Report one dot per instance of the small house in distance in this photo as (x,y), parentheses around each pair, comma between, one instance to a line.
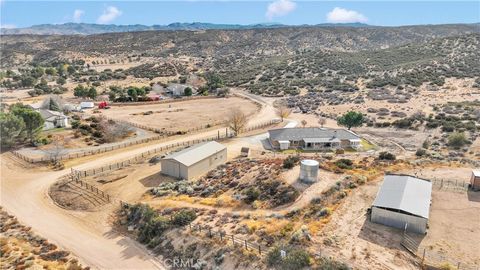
(87,105)
(195,160)
(313,139)
(475,180)
(403,202)
(53,119)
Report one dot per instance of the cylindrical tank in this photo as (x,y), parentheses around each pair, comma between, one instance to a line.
(308,171)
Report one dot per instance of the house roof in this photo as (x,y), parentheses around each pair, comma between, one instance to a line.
(49,115)
(196,153)
(310,133)
(405,193)
(321,140)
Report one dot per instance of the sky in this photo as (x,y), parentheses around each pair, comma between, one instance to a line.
(15,13)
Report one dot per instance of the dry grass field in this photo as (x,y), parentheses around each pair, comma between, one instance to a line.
(181,115)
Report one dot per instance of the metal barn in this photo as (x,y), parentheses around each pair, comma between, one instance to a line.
(403,202)
(194,161)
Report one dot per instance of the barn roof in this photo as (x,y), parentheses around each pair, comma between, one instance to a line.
(310,133)
(196,153)
(405,193)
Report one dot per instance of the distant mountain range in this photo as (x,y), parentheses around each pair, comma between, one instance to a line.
(90,29)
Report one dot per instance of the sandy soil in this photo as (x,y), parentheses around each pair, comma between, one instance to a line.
(181,115)
(367,245)
(24,191)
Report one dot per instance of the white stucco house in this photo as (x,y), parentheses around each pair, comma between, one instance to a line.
(53,119)
(313,139)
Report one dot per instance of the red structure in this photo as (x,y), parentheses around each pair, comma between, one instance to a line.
(103,105)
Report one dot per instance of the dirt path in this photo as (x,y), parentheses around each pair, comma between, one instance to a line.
(24,194)
(89,236)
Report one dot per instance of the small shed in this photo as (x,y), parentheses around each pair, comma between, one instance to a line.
(475,180)
(86,105)
(195,160)
(403,202)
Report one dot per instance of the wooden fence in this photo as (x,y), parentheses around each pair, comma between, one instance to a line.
(447,184)
(161,149)
(161,101)
(230,239)
(143,155)
(86,152)
(169,132)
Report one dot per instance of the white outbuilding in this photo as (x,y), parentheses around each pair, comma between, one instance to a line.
(403,202)
(195,160)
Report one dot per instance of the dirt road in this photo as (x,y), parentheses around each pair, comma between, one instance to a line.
(24,193)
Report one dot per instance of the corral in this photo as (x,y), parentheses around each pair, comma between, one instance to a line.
(182,115)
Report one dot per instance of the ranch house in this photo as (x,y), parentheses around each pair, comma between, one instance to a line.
(313,139)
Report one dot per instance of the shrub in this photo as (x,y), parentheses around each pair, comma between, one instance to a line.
(325,212)
(184,217)
(386,156)
(251,194)
(329,264)
(421,152)
(294,259)
(344,163)
(457,140)
(290,162)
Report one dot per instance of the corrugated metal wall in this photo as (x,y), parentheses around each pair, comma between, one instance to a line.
(398,220)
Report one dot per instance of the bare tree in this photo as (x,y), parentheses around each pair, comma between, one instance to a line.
(113,130)
(57,150)
(304,123)
(237,121)
(322,121)
(283,112)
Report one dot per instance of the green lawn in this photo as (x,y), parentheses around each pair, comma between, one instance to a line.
(52,131)
(366,145)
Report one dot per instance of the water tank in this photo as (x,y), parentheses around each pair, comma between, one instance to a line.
(308,171)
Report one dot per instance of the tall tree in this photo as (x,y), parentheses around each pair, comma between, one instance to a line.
(11,128)
(80,91)
(187,91)
(283,112)
(322,121)
(92,93)
(237,121)
(32,119)
(351,119)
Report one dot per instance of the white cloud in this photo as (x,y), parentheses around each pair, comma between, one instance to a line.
(77,15)
(280,8)
(109,14)
(8,26)
(341,15)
